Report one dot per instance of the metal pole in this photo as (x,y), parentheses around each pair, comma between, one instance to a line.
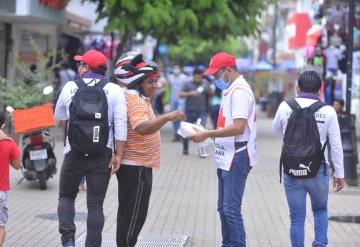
(350,46)
(112,46)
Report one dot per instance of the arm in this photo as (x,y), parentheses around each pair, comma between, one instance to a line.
(241,103)
(116,159)
(16,163)
(60,108)
(237,128)
(185,92)
(152,125)
(120,127)
(276,124)
(334,136)
(337,154)
(15,156)
(189,94)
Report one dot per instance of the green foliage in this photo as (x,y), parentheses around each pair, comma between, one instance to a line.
(172,21)
(191,49)
(27,91)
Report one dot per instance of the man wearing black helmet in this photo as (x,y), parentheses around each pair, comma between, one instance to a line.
(142,149)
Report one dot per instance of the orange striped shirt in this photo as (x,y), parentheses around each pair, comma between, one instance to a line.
(140,149)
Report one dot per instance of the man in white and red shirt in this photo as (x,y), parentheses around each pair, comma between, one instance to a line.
(235,144)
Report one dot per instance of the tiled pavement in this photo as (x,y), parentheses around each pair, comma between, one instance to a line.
(183,202)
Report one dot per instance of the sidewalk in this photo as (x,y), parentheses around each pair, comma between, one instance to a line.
(183,202)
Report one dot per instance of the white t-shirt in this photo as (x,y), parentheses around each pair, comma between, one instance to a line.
(177,82)
(328,126)
(333,55)
(241,105)
(116,109)
(238,101)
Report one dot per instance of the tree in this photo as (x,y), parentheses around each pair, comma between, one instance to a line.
(27,90)
(200,51)
(169,21)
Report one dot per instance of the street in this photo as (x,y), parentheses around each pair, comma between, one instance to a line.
(183,202)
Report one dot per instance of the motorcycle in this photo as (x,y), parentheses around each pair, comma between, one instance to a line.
(39,161)
(38,157)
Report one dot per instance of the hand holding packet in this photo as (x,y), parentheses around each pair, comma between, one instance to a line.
(187,130)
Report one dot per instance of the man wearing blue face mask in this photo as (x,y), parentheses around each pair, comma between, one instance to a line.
(235,145)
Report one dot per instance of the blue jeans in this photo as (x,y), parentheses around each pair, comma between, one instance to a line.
(231,190)
(176,104)
(296,192)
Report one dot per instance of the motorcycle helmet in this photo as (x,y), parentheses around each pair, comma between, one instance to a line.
(129,68)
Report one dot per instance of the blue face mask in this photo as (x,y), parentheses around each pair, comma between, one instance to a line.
(222,84)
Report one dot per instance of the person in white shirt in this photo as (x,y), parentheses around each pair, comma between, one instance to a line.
(96,168)
(317,187)
(235,144)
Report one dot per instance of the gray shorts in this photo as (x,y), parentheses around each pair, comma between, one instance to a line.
(3,208)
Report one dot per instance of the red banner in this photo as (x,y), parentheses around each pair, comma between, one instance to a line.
(55,4)
(301,23)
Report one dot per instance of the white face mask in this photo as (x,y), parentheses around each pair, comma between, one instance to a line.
(176,71)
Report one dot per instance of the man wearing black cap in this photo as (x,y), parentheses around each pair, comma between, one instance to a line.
(235,144)
(96,167)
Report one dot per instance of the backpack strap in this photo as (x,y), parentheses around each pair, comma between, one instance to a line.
(80,83)
(294,105)
(316,106)
(102,83)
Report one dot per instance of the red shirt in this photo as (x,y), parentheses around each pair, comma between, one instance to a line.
(8,152)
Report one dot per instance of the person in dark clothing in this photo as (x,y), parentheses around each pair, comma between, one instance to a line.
(195,93)
(96,167)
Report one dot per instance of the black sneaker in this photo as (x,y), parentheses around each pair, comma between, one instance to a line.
(186,152)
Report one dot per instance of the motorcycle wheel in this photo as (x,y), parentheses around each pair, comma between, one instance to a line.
(42,180)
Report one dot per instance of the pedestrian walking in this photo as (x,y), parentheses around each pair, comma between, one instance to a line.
(10,154)
(142,149)
(177,80)
(235,145)
(194,92)
(308,126)
(96,112)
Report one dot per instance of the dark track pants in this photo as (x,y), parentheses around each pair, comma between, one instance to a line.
(134,183)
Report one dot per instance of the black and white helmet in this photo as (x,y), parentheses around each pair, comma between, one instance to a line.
(129,68)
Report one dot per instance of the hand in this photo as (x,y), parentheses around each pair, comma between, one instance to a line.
(338,184)
(114,164)
(199,136)
(176,116)
(195,93)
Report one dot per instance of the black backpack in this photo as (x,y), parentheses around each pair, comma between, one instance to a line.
(302,154)
(88,129)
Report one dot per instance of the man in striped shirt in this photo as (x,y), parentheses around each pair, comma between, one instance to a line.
(142,149)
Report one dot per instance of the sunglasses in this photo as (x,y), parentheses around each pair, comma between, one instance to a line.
(218,73)
(79,64)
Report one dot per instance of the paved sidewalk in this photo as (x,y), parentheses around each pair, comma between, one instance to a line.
(183,202)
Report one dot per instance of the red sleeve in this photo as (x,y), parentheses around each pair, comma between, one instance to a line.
(14,151)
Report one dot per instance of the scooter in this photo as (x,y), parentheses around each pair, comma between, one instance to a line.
(39,161)
(38,157)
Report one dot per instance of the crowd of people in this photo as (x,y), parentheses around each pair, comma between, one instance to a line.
(111,128)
